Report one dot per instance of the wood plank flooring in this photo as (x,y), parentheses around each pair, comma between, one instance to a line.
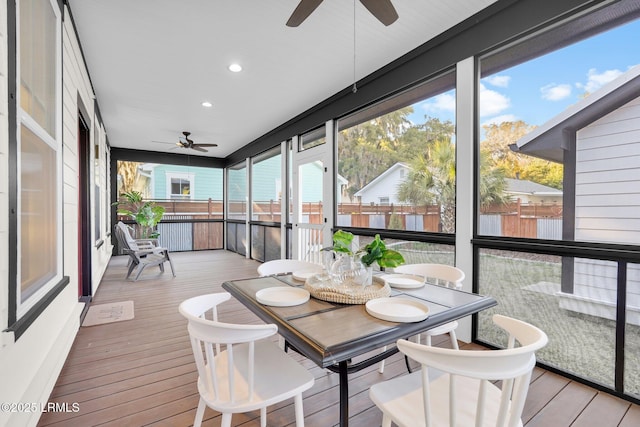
(141,372)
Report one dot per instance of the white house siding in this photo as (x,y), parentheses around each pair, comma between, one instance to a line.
(608,178)
(607,208)
(387,187)
(32,363)
(76,84)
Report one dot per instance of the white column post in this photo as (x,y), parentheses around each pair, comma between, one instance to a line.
(465,172)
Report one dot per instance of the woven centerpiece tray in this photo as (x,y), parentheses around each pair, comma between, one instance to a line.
(320,286)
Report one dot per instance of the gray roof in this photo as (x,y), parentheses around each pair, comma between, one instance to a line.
(522,186)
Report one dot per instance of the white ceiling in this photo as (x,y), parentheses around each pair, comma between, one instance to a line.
(153,62)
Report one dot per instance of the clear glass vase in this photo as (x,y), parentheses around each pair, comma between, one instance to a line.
(348,270)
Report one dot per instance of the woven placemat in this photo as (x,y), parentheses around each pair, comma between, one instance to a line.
(322,288)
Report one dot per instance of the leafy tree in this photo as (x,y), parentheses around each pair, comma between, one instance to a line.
(369,148)
(432,180)
(418,138)
(395,222)
(498,138)
(433,176)
(492,181)
(128,172)
(544,172)
(496,145)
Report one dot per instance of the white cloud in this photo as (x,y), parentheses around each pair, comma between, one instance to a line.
(555,92)
(492,102)
(596,80)
(443,102)
(499,119)
(500,81)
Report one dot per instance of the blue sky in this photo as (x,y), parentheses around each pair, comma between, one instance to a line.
(539,89)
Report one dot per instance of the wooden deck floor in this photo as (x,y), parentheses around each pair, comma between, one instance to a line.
(141,372)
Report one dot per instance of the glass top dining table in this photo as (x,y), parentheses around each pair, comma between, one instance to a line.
(332,334)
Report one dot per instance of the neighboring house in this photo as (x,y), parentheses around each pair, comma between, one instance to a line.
(532,192)
(311,190)
(383,190)
(174,182)
(195,183)
(598,141)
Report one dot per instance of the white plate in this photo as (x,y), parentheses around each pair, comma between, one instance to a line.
(397,309)
(404,281)
(282,296)
(303,275)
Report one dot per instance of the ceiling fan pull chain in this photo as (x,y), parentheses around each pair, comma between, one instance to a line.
(354,89)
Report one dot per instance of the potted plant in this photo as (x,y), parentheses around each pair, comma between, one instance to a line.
(351,261)
(377,252)
(147,214)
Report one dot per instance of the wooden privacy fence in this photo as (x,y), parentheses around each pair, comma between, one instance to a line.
(514,219)
(519,219)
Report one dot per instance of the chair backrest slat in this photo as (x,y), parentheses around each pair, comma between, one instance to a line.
(453,406)
(279,266)
(196,346)
(230,373)
(439,274)
(210,334)
(426,397)
(250,368)
(120,236)
(513,366)
(507,391)
(482,399)
(211,362)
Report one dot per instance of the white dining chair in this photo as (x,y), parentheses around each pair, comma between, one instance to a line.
(437,274)
(279,266)
(238,370)
(459,390)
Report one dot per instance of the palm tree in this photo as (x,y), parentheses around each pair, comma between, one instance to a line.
(492,181)
(432,180)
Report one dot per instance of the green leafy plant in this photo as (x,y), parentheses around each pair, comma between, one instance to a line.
(342,242)
(147,214)
(376,251)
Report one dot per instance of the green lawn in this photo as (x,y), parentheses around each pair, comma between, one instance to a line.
(524,286)
(578,343)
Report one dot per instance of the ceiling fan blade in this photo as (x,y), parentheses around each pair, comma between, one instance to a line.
(197,148)
(381,9)
(302,12)
(206,145)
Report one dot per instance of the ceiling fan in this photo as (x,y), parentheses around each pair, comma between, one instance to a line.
(381,9)
(185,142)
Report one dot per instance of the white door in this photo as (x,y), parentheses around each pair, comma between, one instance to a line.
(312,197)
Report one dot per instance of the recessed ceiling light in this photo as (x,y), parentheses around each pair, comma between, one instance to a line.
(207,104)
(236,68)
